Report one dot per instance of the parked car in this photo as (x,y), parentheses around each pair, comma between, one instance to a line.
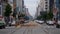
(39,21)
(50,22)
(13,23)
(36,20)
(2,23)
(58,22)
(26,21)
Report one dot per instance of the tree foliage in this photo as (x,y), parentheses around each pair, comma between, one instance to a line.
(8,10)
(50,15)
(46,16)
(21,15)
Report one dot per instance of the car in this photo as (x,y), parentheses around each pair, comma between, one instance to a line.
(58,22)
(39,21)
(26,21)
(36,20)
(50,22)
(13,23)
(2,23)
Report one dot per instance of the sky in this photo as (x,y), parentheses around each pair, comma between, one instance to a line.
(31,5)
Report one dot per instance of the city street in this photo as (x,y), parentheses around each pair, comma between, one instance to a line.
(31,28)
(29,16)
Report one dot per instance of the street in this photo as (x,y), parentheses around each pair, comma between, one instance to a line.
(31,28)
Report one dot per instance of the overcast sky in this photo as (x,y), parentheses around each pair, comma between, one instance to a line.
(31,5)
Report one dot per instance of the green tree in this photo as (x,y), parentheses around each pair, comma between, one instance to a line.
(38,17)
(8,10)
(21,15)
(49,16)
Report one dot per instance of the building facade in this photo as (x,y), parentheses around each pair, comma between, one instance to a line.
(14,5)
(20,6)
(57,3)
(51,4)
(43,6)
(0,7)
(3,4)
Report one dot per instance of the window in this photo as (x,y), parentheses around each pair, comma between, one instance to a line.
(46,5)
(0,10)
(46,9)
(46,2)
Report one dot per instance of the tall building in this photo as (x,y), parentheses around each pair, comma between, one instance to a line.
(57,3)
(43,7)
(14,5)
(51,4)
(3,4)
(20,6)
(0,7)
(38,10)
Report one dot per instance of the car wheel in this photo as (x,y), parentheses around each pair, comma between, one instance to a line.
(0,27)
(3,26)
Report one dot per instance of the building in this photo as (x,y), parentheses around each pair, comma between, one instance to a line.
(0,8)
(57,3)
(3,4)
(43,6)
(37,11)
(14,5)
(27,13)
(51,4)
(20,6)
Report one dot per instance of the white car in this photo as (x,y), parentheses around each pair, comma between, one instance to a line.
(13,23)
(39,21)
(36,20)
(50,22)
(59,22)
(26,21)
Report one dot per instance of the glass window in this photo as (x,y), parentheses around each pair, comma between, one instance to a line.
(0,10)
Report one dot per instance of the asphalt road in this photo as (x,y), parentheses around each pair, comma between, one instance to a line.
(7,30)
(31,28)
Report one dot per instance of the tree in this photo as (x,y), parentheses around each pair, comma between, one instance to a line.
(8,10)
(38,17)
(50,15)
(21,15)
